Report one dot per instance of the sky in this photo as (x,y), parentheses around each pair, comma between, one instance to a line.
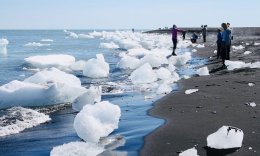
(126,14)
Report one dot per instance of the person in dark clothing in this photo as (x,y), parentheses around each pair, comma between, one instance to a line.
(231,38)
(194,38)
(183,35)
(219,40)
(225,43)
(174,37)
(204,32)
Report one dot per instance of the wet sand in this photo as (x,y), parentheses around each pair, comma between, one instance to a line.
(221,100)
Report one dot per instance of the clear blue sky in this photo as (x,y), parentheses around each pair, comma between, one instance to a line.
(116,14)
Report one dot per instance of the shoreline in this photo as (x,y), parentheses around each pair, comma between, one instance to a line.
(221,100)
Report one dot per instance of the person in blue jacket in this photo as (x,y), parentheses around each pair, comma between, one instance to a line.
(219,40)
(226,37)
(194,38)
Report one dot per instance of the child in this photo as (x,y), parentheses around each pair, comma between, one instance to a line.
(194,38)
(219,40)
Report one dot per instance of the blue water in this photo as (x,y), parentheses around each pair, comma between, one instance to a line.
(134,124)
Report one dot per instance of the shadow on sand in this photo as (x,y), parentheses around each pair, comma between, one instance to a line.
(219,152)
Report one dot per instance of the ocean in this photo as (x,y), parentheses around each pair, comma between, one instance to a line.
(134,100)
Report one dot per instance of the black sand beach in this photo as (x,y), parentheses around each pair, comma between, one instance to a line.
(221,100)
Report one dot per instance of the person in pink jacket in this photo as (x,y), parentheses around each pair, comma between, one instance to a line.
(175,31)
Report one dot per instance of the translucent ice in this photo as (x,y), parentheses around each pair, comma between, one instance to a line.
(203,71)
(138,75)
(96,121)
(226,137)
(96,67)
(189,152)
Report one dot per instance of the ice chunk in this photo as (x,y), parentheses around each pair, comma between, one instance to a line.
(163,73)
(91,96)
(46,61)
(226,137)
(3,46)
(128,44)
(247,52)
(189,152)
(256,44)
(77,149)
(24,118)
(96,67)
(128,62)
(110,45)
(194,50)
(95,34)
(200,46)
(78,66)
(85,36)
(180,59)
(154,60)
(190,91)
(203,71)
(137,52)
(251,104)
(35,44)
(138,75)
(251,84)
(238,47)
(231,65)
(215,51)
(54,75)
(96,121)
(186,76)
(164,88)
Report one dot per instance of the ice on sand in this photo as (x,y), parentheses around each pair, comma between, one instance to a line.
(163,73)
(231,65)
(3,46)
(189,152)
(164,88)
(203,71)
(96,121)
(226,137)
(238,47)
(251,84)
(247,52)
(96,67)
(24,118)
(143,74)
(77,149)
(190,91)
(46,61)
(91,96)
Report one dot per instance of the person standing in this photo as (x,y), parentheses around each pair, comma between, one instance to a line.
(204,32)
(219,40)
(225,43)
(231,38)
(174,32)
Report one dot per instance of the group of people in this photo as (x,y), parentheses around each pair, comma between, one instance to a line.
(224,38)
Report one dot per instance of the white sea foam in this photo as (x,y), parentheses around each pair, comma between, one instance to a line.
(18,119)
(3,46)
(36,44)
(96,67)
(96,121)
(60,61)
(77,149)
(226,137)
(47,40)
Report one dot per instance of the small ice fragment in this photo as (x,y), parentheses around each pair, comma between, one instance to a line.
(148,97)
(256,44)
(194,50)
(200,46)
(203,71)
(250,148)
(186,77)
(189,152)
(226,137)
(251,104)
(251,84)
(215,51)
(238,47)
(247,52)
(190,91)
